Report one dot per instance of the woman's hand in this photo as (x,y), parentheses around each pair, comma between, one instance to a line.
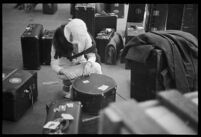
(87,68)
(61,74)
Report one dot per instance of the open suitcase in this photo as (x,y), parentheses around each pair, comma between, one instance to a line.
(64,112)
(19,92)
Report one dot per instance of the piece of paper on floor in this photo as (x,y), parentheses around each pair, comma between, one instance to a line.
(50,82)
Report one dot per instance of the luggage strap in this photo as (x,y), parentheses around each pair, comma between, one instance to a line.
(91,49)
(9,74)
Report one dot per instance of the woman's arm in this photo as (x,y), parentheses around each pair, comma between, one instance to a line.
(55,62)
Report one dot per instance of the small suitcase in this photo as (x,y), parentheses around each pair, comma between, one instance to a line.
(30,44)
(102,39)
(49,8)
(190,19)
(95,92)
(19,92)
(46,44)
(67,113)
(145,77)
(86,12)
(103,21)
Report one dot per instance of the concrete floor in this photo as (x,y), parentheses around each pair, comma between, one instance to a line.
(14,23)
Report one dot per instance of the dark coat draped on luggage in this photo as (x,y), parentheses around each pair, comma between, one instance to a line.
(180,50)
(112,50)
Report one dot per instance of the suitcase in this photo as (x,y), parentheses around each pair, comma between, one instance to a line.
(102,39)
(136,13)
(95,92)
(49,8)
(103,21)
(46,44)
(157,17)
(19,92)
(190,19)
(57,110)
(175,14)
(145,77)
(86,12)
(30,44)
(171,113)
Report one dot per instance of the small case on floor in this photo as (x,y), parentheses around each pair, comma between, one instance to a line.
(63,117)
(19,92)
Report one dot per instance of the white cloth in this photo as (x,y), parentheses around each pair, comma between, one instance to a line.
(76,33)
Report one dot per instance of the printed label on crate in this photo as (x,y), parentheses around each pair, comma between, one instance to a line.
(67,116)
(15,80)
(103,87)
(51,125)
(86,81)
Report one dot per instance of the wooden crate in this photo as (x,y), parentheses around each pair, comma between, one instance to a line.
(171,113)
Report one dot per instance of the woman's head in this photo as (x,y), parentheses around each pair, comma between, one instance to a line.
(69,37)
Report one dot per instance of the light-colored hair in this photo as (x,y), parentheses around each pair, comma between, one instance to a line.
(77,29)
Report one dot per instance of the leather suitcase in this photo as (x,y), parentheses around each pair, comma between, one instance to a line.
(86,12)
(46,44)
(95,92)
(49,8)
(19,92)
(136,13)
(102,39)
(103,21)
(30,44)
(190,19)
(145,77)
(174,18)
(57,109)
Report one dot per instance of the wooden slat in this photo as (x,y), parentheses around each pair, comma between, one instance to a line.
(180,104)
(135,119)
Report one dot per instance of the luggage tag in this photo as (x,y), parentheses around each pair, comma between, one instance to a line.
(86,81)
(69,105)
(51,125)
(103,87)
